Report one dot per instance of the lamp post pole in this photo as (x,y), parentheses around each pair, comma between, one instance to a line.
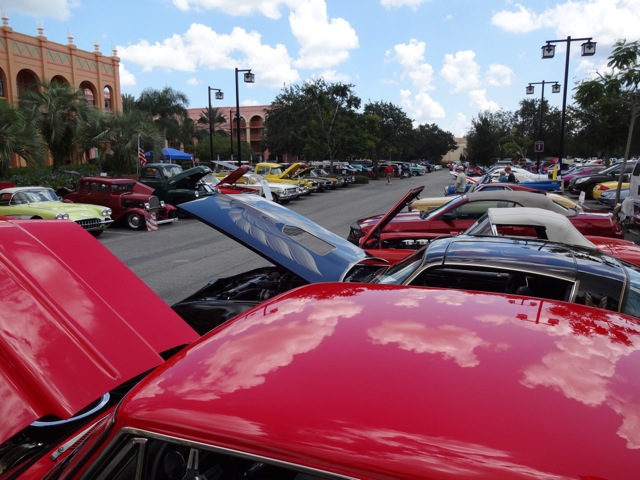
(231,133)
(555,88)
(548,51)
(219,96)
(248,78)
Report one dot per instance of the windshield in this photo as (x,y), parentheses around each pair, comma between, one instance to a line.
(397,274)
(440,209)
(481,227)
(631,304)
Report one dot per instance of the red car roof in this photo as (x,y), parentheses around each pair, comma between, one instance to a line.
(379,381)
(75,322)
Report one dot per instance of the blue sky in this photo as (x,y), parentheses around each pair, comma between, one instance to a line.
(442,62)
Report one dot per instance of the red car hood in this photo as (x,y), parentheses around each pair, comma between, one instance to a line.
(383,220)
(623,249)
(236,175)
(71,315)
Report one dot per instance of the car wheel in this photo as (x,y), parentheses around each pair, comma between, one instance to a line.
(588,192)
(135,221)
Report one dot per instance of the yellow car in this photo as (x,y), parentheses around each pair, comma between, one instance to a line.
(604,186)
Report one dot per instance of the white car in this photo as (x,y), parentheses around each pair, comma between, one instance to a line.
(281,192)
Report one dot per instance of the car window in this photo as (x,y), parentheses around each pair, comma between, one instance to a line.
(594,292)
(140,457)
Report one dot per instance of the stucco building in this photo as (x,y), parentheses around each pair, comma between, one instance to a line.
(26,60)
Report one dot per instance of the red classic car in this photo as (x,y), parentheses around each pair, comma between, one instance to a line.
(130,201)
(346,381)
(394,228)
(78,327)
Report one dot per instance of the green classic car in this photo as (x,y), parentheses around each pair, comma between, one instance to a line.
(43,203)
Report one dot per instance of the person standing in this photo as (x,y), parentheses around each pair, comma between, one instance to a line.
(388,170)
(511,178)
(460,185)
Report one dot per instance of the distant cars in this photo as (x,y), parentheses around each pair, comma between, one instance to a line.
(42,203)
(586,183)
(394,229)
(600,188)
(608,197)
(131,202)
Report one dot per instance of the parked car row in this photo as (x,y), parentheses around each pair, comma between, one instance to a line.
(240,379)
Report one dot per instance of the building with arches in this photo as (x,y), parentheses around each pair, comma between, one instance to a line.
(26,60)
(251,124)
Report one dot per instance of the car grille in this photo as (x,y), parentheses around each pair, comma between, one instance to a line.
(154,204)
(90,223)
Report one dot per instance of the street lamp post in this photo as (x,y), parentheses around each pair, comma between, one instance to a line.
(248,78)
(548,51)
(555,88)
(219,96)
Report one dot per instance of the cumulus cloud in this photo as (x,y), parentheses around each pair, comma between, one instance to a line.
(461,70)
(127,79)
(323,42)
(268,8)
(402,3)
(58,9)
(499,76)
(478,100)
(604,20)
(192,50)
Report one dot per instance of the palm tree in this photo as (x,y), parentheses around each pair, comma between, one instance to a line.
(167,108)
(18,136)
(57,110)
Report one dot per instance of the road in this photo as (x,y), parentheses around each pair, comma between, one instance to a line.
(178,259)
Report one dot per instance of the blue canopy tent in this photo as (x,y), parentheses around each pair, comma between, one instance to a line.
(172,155)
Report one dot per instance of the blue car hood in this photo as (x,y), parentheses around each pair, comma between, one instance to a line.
(280,235)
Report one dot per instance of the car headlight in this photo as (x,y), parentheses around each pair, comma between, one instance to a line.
(581,180)
(162,203)
(62,216)
(106,212)
(196,194)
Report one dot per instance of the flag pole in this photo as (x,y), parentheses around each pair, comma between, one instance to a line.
(138,158)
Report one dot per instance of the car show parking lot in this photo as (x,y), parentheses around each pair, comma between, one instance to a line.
(178,259)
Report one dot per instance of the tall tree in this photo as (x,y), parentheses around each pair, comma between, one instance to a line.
(311,120)
(485,136)
(621,85)
(167,108)
(432,143)
(18,136)
(392,129)
(57,110)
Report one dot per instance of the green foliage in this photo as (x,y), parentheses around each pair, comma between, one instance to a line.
(47,176)
(18,136)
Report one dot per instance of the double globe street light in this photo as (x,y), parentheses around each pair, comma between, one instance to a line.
(548,51)
(555,88)
(248,78)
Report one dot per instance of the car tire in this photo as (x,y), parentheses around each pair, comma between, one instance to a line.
(135,221)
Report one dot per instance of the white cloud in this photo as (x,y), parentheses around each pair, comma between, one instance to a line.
(58,9)
(268,8)
(411,57)
(499,76)
(193,81)
(192,50)
(323,42)
(402,3)
(461,70)
(478,100)
(460,125)
(127,79)
(604,20)
(334,76)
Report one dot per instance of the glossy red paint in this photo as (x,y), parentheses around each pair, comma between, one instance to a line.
(395,382)
(623,249)
(71,316)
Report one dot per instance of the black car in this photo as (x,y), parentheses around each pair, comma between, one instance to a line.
(586,183)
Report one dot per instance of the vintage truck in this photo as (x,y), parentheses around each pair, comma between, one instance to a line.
(174,185)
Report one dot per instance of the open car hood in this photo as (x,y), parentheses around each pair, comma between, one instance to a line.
(409,197)
(281,236)
(75,322)
(236,175)
(189,178)
(293,169)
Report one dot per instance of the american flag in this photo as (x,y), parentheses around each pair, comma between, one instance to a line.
(141,157)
